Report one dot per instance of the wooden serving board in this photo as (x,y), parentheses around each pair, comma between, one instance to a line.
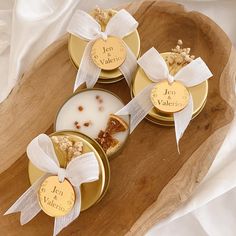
(149,180)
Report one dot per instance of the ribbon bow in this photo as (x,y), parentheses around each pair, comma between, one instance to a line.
(86,27)
(82,169)
(156,69)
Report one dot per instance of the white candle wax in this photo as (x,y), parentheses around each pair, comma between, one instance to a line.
(88,112)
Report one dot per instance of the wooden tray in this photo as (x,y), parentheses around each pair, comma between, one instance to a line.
(149,179)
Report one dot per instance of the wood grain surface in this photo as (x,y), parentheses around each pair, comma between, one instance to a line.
(149,180)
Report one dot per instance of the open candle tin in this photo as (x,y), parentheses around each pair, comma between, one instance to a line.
(88,111)
(199,94)
(76,47)
(93,192)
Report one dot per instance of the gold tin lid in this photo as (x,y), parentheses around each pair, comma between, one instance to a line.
(198,92)
(93,192)
(76,47)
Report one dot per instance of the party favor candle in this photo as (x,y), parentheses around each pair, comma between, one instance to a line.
(90,112)
(177,59)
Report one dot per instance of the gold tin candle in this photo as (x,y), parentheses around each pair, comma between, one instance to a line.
(91,111)
(199,92)
(91,193)
(76,47)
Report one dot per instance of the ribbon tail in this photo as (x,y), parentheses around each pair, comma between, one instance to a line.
(182,120)
(82,169)
(129,66)
(27,204)
(88,72)
(138,107)
(61,222)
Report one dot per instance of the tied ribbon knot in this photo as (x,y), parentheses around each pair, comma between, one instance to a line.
(84,26)
(157,70)
(170,79)
(61,174)
(82,169)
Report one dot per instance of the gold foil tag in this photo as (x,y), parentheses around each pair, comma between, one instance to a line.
(108,54)
(56,198)
(170,98)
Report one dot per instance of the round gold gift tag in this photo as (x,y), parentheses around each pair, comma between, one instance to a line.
(76,47)
(92,192)
(199,94)
(56,198)
(108,54)
(169,98)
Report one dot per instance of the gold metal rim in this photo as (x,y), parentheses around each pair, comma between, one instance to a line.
(171,123)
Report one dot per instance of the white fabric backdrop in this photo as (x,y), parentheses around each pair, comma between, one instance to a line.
(29,27)
(34,24)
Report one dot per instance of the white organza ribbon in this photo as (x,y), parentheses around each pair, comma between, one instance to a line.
(156,69)
(86,27)
(82,169)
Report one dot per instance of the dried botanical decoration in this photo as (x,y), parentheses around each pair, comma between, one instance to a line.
(70,147)
(114,125)
(102,16)
(87,123)
(80,108)
(77,125)
(106,140)
(181,55)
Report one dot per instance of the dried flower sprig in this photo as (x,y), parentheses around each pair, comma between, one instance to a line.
(182,55)
(72,148)
(102,16)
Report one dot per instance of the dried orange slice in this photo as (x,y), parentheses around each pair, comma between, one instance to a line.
(106,140)
(116,124)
